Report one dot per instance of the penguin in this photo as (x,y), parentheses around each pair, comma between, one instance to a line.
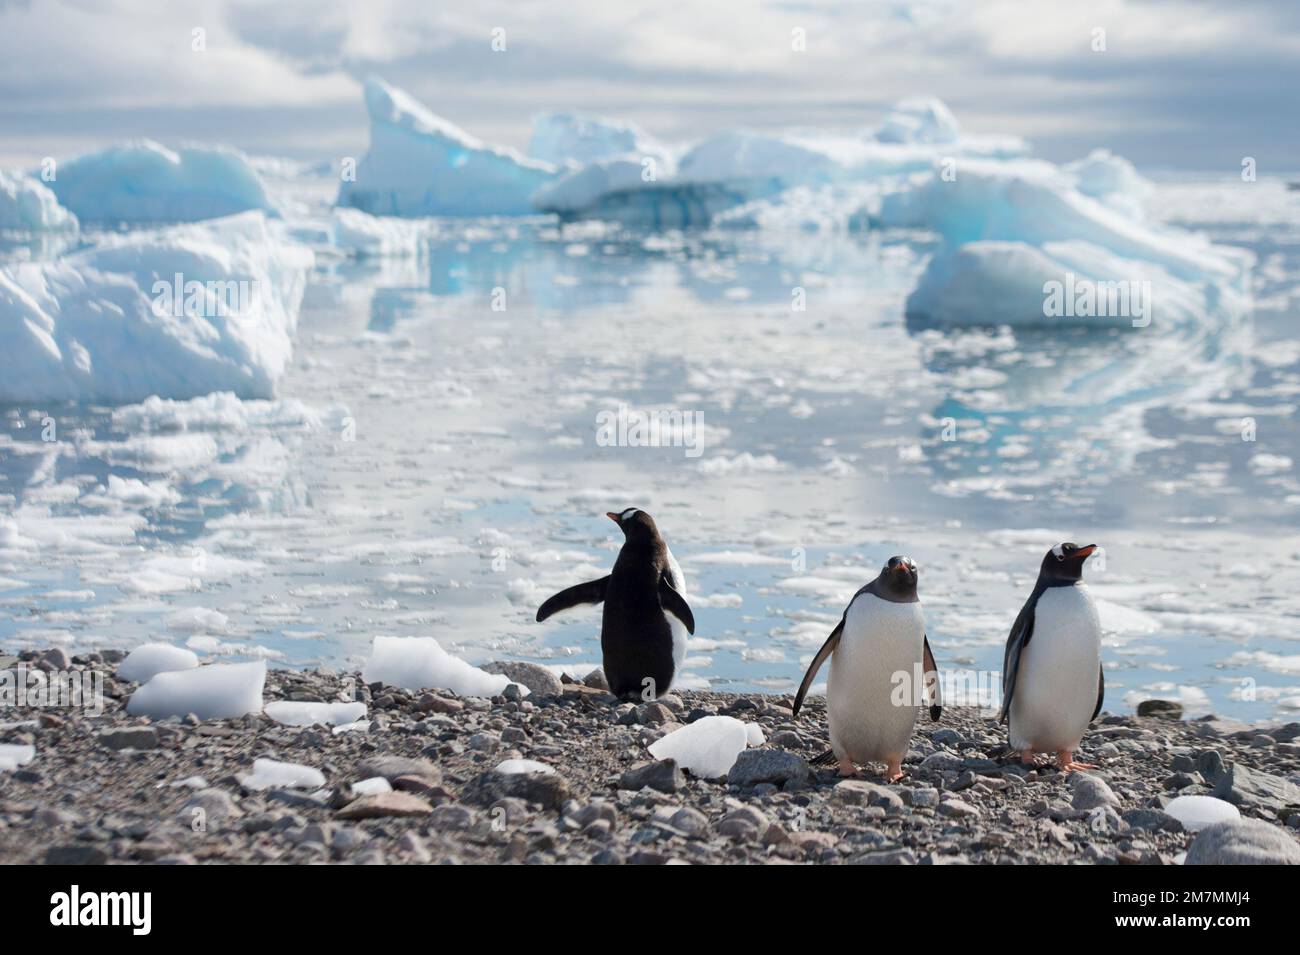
(1053,683)
(880,635)
(646,619)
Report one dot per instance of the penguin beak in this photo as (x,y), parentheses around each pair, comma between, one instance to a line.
(612,516)
(1085,552)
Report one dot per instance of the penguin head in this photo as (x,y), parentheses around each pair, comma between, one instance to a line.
(898,577)
(1064,562)
(635,523)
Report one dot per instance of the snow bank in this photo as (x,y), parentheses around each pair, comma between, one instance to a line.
(176,312)
(272,774)
(419,164)
(148,660)
(213,692)
(707,748)
(417,663)
(1197,812)
(294,713)
(26,205)
(147,182)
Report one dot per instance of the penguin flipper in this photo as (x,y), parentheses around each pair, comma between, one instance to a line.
(1101,692)
(1021,633)
(592,592)
(675,604)
(932,691)
(827,649)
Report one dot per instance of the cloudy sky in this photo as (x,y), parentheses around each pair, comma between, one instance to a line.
(1180,83)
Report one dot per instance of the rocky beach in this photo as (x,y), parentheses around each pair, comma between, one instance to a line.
(563,775)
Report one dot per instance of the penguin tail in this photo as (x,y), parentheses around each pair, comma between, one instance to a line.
(827,758)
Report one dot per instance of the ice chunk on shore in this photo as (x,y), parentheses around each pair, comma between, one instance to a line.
(13,755)
(148,660)
(1197,812)
(177,312)
(213,692)
(147,182)
(295,713)
(919,119)
(560,138)
(419,164)
(27,205)
(707,748)
(512,767)
(273,774)
(418,663)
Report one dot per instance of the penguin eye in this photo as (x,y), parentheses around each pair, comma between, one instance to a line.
(1060,550)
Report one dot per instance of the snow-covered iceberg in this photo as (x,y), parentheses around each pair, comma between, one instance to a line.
(176,312)
(27,205)
(147,182)
(420,164)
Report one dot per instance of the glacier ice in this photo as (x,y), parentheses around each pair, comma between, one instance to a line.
(148,660)
(417,663)
(27,205)
(177,312)
(213,692)
(706,748)
(296,713)
(419,164)
(273,774)
(147,182)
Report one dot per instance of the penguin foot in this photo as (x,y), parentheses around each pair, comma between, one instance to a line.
(1029,758)
(1067,764)
(847,768)
(894,772)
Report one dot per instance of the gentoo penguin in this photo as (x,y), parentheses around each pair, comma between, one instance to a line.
(646,618)
(878,647)
(1052,679)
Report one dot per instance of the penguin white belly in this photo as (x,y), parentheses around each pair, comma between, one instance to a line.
(880,639)
(677,627)
(1056,686)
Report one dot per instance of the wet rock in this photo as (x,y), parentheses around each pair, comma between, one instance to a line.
(776,766)
(1246,842)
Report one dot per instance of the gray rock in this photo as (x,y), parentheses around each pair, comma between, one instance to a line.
(596,679)
(690,821)
(744,822)
(956,809)
(130,737)
(886,857)
(1210,765)
(1163,709)
(75,855)
(776,766)
(1090,792)
(207,806)
(860,792)
(1245,842)
(1156,819)
(391,767)
(663,775)
(453,816)
(55,659)
(536,678)
(1255,788)
(551,790)
(379,805)
(923,797)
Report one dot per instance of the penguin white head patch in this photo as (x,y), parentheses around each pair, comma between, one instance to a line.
(627,513)
(1059,551)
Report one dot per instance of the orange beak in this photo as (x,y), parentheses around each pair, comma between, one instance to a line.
(1085,552)
(612,516)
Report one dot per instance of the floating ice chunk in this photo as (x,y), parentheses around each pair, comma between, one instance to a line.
(366,236)
(147,182)
(419,164)
(372,787)
(197,620)
(708,747)
(176,312)
(294,713)
(132,492)
(919,119)
(213,692)
(273,774)
(1197,812)
(148,660)
(417,663)
(560,138)
(13,755)
(27,205)
(511,767)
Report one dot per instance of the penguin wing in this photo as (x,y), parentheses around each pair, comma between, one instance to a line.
(1021,632)
(592,592)
(675,604)
(932,685)
(827,649)
(1101,692)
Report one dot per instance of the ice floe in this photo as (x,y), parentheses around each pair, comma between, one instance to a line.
(212,692)
(147,182)
(148,660)
(417,663)
(177,312)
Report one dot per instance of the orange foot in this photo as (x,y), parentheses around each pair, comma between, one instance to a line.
(847,768)
(1066,763)
(1030,758)
(894,771)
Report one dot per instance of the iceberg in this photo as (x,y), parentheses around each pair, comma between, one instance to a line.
(419,164)
(177,312)
(147,182)
(148,660)
(1112,180)
(417,663)
(561,138)
(365,236)
(27,205)
(214,692)
(919,119)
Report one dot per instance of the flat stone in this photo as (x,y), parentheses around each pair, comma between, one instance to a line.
(1246,842)
(1255,788)
(393,767)
(75,855)
(776,766)
(956,809)
(379,805)
(130,737)
(860,792)
(663,775)
(886,857)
